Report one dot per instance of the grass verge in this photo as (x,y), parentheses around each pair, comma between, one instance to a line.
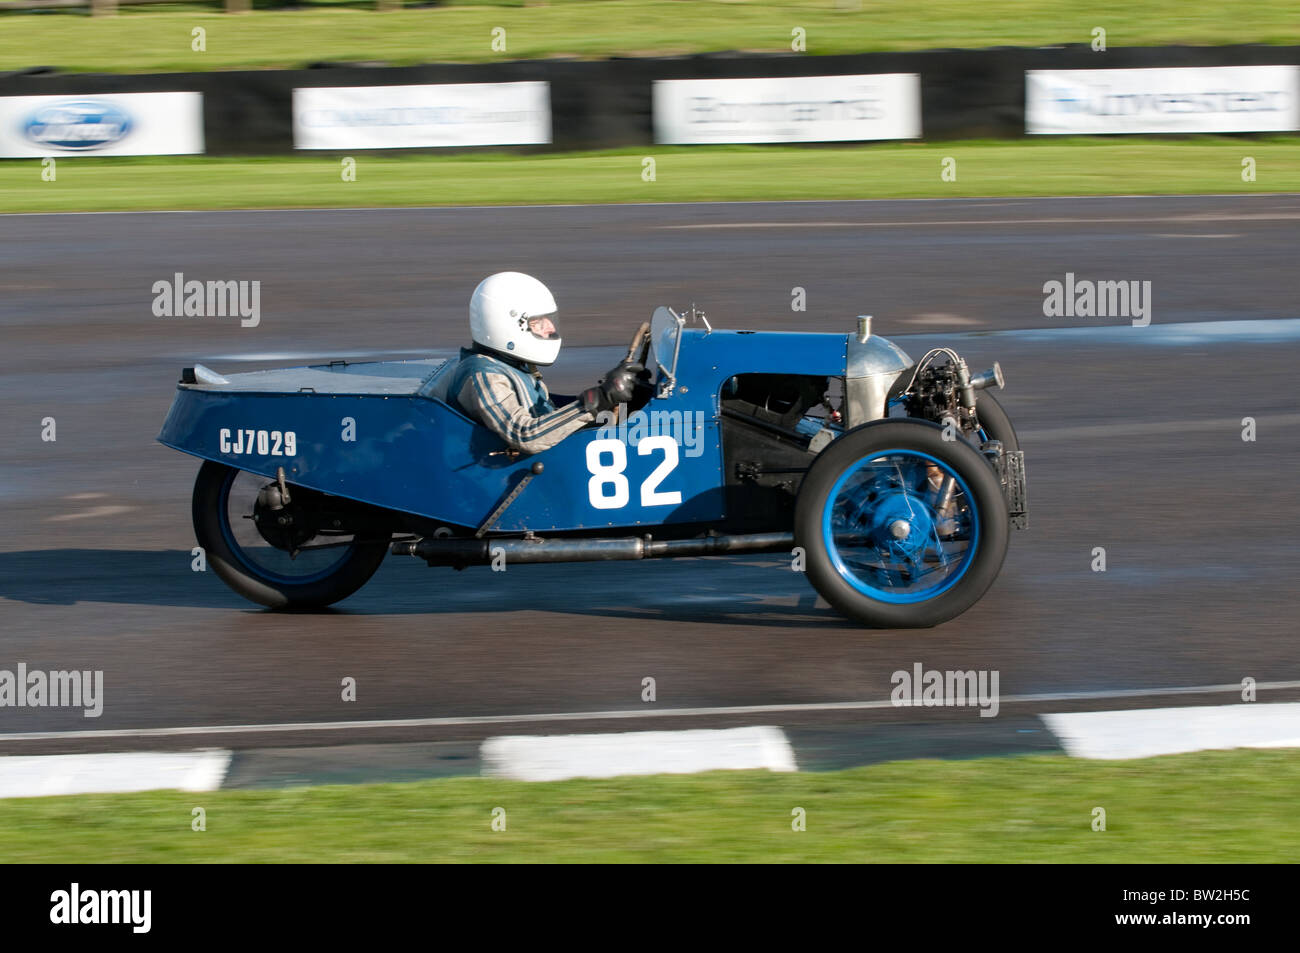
(682,174)
(1223,806)
(154,39)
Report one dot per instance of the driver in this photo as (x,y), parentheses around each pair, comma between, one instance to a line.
(498,383)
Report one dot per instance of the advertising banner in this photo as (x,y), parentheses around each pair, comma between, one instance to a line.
(422,117)
(790,109)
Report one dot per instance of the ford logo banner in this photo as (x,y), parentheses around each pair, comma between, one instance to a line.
(80,125)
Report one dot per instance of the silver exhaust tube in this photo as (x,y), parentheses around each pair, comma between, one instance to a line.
(472,552)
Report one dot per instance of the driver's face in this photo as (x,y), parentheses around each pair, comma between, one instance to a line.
(542,326)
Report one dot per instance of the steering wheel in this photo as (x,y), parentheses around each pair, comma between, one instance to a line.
(639,349)
(637,353)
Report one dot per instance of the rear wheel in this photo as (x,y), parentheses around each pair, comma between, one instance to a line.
(280,559)
(901,528)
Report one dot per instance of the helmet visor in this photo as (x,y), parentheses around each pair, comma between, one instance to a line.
(543,327)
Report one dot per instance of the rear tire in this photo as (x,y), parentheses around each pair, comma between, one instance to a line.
(237,569)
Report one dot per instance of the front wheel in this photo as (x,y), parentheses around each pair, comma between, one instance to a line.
(285,559)
(994,422)
(901,528)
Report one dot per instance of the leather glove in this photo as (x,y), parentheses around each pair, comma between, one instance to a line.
(594,401)
(620,383)
(617,387)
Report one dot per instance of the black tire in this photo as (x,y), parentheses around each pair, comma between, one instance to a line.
(982,505)
(995,422)
(210,511)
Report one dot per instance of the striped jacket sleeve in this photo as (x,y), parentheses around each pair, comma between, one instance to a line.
(492,399)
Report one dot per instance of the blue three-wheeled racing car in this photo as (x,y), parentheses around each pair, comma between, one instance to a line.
(892,483)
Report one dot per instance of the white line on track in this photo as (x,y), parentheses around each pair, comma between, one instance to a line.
(626,714)
(947,223)
(1227,425)
(437,208)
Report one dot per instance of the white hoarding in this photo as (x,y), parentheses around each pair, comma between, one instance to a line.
(121,124)
(1182,99)
(421,117)
(790,109)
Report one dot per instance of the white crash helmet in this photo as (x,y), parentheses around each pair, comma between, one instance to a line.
(514,314)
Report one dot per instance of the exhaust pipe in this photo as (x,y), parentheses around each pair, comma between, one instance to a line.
(475,552)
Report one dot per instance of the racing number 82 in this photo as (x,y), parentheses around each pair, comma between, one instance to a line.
(612,474)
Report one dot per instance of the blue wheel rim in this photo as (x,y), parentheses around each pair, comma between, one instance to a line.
(264,567)
(870,505)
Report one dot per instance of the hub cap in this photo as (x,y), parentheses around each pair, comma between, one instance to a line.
(901,526)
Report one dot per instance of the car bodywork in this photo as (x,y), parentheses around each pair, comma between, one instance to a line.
(897,479)
(383,433)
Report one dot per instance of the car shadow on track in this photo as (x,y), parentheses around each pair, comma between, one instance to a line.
(739,590)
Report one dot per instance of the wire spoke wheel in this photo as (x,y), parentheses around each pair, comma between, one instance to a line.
(901,528)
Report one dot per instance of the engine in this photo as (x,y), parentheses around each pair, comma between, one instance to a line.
(944,391)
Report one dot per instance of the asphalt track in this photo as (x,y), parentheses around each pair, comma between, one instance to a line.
(1133,440)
